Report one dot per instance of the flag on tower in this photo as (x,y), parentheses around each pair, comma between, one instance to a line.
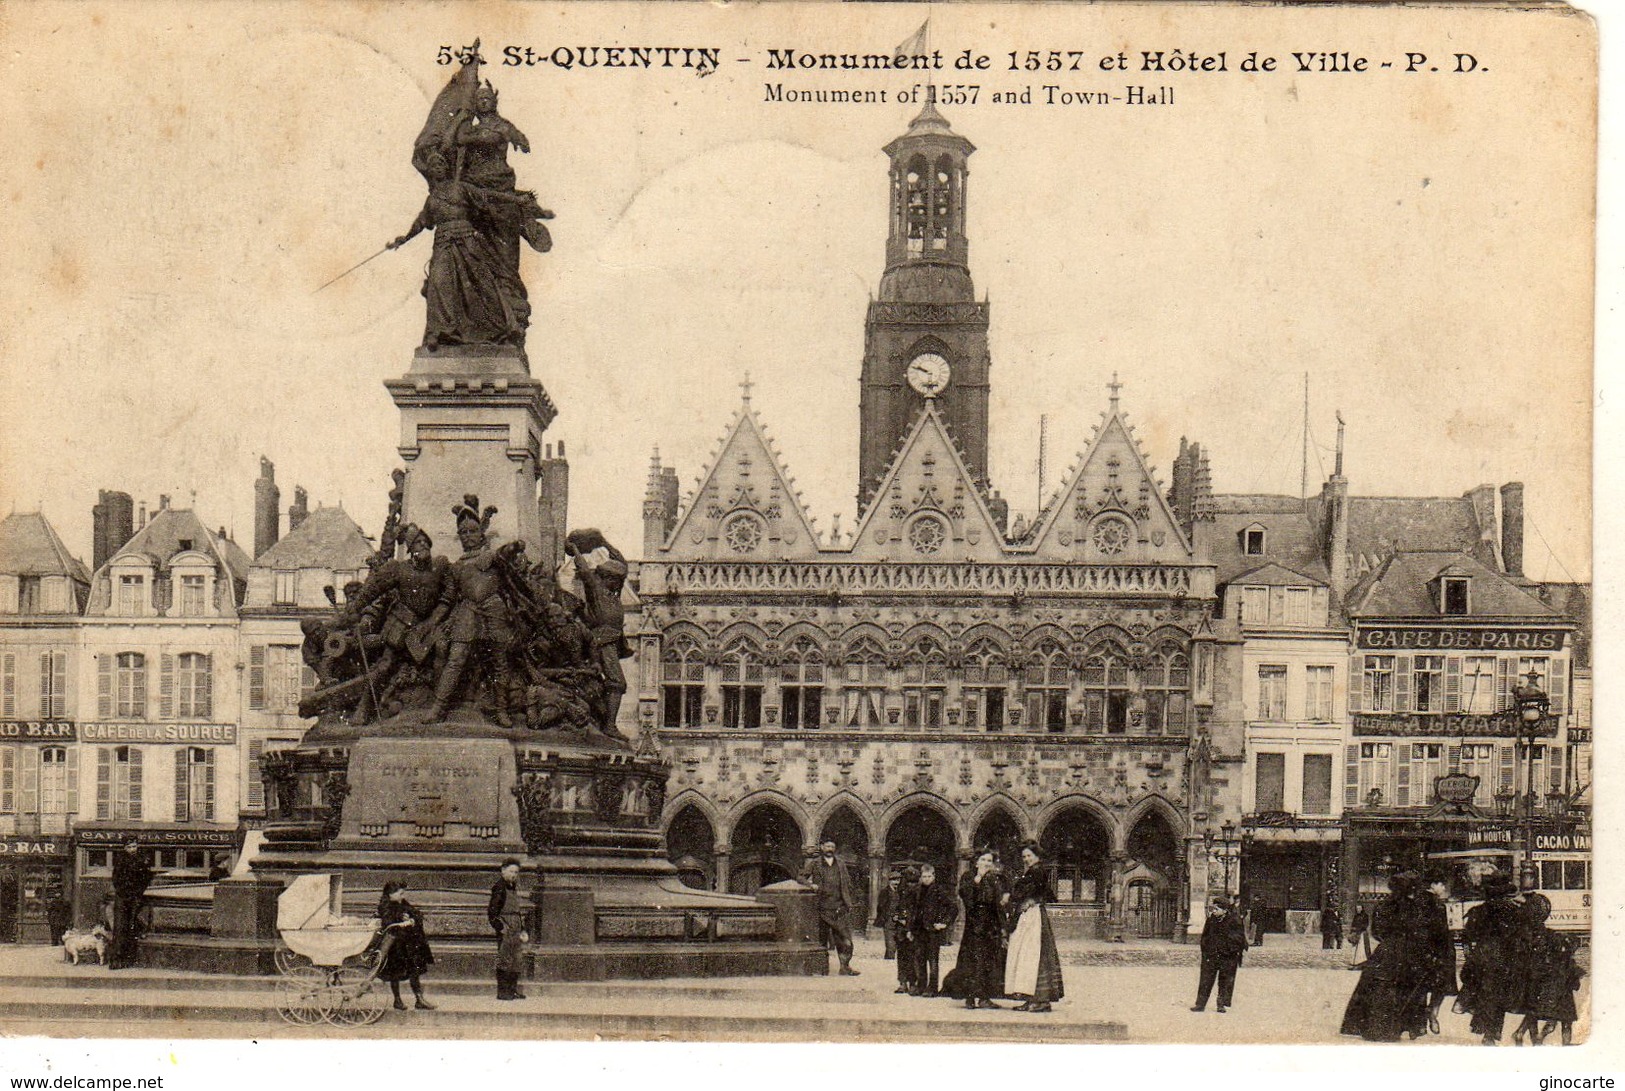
(911,46)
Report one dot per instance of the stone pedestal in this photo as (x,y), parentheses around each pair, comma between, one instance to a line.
(472,420)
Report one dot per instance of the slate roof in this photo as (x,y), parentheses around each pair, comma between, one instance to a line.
(1291,539)
(1399,587)
(161,539)
(328,538)
(1379,525)
(29,546)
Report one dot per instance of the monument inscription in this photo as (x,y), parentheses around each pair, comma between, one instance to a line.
(429,784)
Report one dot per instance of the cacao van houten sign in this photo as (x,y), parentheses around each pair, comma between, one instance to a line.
(1403,637)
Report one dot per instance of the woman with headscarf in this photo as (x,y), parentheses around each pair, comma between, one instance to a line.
(1495,972)
(1032,967)
(1390,999)
(404,953)
(978,974)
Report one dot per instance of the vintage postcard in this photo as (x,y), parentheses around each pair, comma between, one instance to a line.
(981,522)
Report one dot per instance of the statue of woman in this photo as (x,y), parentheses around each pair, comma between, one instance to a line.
(474,295)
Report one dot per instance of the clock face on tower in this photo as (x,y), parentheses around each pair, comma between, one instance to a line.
(928,373)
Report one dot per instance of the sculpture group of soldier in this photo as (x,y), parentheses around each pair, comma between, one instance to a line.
(1513,965)
(519,642)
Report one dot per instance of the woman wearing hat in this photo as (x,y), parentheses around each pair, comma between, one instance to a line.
(978,975)
(1495,972)
(1391,998)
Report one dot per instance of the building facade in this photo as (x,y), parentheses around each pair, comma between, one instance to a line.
(42,589)
(159,694)
(936,684)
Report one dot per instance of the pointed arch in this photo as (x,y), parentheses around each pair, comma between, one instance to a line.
(1078,801)
(690,797)
(1001,802)
(935,802)
(779,798)
(1155,804)
(989,632)
(743,630)
(1106,634)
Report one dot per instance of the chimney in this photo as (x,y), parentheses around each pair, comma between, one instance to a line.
(1337,522)
(1482,497)
(113,524)
(553,502)
(141,523)
(163,501)
(267,508)
(299,509)
(1512,528)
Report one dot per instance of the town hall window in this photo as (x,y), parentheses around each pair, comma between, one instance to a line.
(1167,686)
(1047,684)
(1105,691)
(984,685)
(802,686)
(741,685)
(925,685)
(865,684)
(682,684)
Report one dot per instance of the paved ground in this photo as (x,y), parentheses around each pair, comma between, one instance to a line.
(1273,1004)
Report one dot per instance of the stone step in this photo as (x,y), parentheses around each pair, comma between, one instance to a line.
(651,1014)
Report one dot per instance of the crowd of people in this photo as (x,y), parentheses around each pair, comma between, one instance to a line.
(1007,949)
(1512,964)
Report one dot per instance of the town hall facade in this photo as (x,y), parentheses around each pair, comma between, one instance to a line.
(938,682)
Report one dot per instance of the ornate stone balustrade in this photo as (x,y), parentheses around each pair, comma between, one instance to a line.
(858,578)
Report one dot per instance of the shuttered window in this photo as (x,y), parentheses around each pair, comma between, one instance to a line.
(194,784)
(53,685)
(118,783)
(131,686)
(1317,784)
(8,685)
(1270,794)
(194,685)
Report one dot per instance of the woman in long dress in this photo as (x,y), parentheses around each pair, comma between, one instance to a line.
(1032,968)
(405,954)
(1441,944)
(978,974)
(1495,973)
(1391,997)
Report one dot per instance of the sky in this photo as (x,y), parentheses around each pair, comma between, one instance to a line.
(185,176)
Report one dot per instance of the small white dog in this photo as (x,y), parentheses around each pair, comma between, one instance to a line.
(77,944)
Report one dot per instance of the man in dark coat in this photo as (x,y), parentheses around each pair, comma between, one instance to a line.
(883,912)
(132,873)
(509,920)
(935,909)
(1331,928)
(902,925)
(1224,942)
(836,903)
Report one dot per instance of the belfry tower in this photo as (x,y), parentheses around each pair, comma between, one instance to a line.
(926,336)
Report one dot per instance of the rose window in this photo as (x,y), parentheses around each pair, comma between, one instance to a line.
(1111,536)
(927,535)
(742,533)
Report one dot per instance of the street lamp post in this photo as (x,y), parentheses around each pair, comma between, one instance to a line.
(1228,842)
(1533,707)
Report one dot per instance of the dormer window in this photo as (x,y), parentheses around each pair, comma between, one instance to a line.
(1453,595)
(192,596)
(286,582)
(1252,541)
(29,598)
(132,592)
